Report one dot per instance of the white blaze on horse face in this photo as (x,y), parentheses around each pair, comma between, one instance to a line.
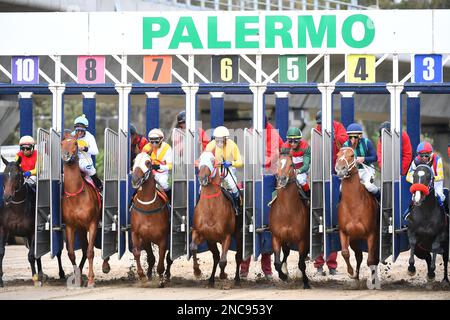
(420,174)
(283,163)
(417,196)
(140,160)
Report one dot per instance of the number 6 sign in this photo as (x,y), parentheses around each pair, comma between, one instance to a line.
(427,68)
(91,69)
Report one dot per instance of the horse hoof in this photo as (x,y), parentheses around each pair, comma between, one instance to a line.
(1,284)
(237,283)
(284,268)
(373,284)
(211,284)
(91,285)
(197,273)
(431,276)
(43,277)
(38,284)
(283,276)
(224,276)
(106,268)
(443,280)
(62,276)
(306,286)
(161,284)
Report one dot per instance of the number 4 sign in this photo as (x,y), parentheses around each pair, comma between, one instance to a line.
(91,69)
(427,68)
(360,68)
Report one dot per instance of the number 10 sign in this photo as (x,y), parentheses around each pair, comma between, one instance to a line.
(25,70)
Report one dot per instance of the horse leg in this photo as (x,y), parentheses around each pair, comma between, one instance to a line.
(2,254)
(137,247)
(32,260)
(302,253)
(276,247)
(169,264)
(82,237)
(150,260)
(445,257)
(70,238)
(106,268)
(372,261)
(62,275)
(216,256)
(431,267)
(196,239)
(238,257)
(359,256)
(345,252)
(90,252)
(412,245)
(160,268)
(223,259)
(286,252)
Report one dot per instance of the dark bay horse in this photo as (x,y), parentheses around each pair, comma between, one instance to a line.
(215,220)
(358,217)
(81,210)
(428,227)
(17,218)
(149,219)
(289,219)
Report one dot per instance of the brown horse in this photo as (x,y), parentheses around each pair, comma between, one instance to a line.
(17,218)
(358,217)
(215,220)
(289,219)
(81,210)
(149,219)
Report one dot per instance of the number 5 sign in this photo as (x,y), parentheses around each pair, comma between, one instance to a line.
(25,70)
(427,68)
(91,69)
(292,68)
(360,68)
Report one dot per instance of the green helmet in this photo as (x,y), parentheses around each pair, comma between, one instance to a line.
(294,132)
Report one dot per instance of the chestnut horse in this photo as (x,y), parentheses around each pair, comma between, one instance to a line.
(81,210)
(215,220)
(17,218)
(289,219)
(149,219)
(358,217)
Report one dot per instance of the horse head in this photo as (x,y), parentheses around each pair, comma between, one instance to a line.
(285,169)
(69,149)
(423,179)
(345,163)
(206,168)
(13,179)
(142,170)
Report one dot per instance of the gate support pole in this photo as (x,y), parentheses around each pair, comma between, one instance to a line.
(89,105)
(151,111)
(413,119)
(217,109)
(282,113)
(347,108)
(57,91)
(26,113)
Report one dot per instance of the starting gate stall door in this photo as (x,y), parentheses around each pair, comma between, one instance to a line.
(193,148)
(110,208)
(43,198)
(122,189)
(56,226)
(399,234)
(331,197)
(179,206)
(317,196)
(249,200)
(258,200)
(386,210)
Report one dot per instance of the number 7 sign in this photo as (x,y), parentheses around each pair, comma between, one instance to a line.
(158,69)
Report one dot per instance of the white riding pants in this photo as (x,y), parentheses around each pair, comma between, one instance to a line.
(163,179)
(439,189)
(230,179)
(86,165)
(365,176)
(31,181)
(302,178)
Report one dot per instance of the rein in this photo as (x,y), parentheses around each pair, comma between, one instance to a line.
(69,194)
(146,203)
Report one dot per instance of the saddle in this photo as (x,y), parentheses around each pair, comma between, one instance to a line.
(97,192)
(230,198)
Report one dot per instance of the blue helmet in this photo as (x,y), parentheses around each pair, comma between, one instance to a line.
(81,120)
(354,128)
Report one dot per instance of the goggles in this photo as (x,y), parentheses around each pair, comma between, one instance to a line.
(293,140)
(425,155)
(26,148)
(353,137)
(154,140)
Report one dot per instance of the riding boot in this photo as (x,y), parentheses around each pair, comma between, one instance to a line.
(237,202)
(98,183)
(308,193)
(445,204)
(169,195)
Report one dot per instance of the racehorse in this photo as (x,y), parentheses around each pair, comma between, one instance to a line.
(289,219)
(17,218)
(149,219)
(215,220)
(81,208)
(428,226)
(358,217)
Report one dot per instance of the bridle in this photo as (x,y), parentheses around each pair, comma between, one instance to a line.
(73,157)
(18,188)
(284,180)
(348,166)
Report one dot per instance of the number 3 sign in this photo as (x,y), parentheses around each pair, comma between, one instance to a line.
(91,69)
(428,68)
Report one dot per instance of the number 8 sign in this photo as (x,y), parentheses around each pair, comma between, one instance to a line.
(91,69)
(427,68)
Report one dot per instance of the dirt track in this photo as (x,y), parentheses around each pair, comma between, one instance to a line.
(121,283)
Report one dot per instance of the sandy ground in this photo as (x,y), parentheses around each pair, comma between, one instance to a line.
(121,282)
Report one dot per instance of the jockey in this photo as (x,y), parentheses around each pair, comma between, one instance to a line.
(226,150)
(366,156)
(28,158)
(301,156)
(137,143)
(161,155)
(425,155)
(87,147)
(202,136)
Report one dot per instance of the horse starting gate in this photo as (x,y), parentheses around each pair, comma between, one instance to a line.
(250,169)
(317,236)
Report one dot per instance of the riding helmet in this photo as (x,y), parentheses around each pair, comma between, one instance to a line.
(294,132)
(319,117)
(385,125)
(181,117)
(132,129)
(26,140)
(424,147)
(354,128)
(81,120)
(156,133)
(221,132)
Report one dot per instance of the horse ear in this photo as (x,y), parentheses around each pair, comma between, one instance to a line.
(5,161)
(67,135)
